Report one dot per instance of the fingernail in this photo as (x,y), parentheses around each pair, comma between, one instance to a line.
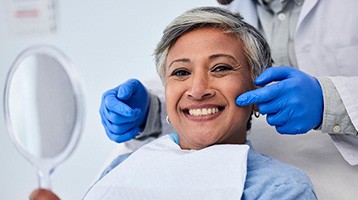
(241,100)
(138,112)
(258,80)
(120,92)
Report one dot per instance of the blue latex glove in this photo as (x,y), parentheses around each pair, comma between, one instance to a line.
(293,103)
(124,110)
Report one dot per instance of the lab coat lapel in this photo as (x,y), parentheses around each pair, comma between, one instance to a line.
(246,8)
(306,8)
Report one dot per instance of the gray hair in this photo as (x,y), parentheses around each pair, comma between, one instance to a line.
(255,47)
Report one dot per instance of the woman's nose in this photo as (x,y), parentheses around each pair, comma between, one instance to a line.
(200,88)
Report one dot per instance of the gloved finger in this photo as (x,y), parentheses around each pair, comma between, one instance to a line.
(117,129)
(114,105)
(290,129)
(278,119)
(117,118)
(127,89)
(273,74)
(296,125)
(125,137)
(110,102)
(271,107)
(259,95)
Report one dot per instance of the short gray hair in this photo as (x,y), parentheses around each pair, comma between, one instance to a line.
(257,50)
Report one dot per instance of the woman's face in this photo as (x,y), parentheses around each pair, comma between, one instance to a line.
(205,71)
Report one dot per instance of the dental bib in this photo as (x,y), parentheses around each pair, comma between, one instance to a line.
(162,170)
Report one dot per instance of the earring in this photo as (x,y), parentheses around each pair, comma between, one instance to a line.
(257,114)
(167,119)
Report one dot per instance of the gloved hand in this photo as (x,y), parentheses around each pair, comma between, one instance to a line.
(293,104)
(124,110)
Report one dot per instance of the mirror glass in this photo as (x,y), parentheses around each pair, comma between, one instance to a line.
(43,108)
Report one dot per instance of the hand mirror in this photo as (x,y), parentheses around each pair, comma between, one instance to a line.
(44,108)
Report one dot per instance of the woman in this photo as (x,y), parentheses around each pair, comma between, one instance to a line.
(206,58)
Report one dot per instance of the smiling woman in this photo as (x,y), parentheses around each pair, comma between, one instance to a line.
(200,57)
(201,68)
(206,58)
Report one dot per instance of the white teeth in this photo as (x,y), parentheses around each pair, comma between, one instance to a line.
(203,111)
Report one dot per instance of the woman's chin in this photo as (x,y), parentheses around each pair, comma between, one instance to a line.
(197,143)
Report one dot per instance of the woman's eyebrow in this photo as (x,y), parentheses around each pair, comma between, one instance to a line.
(222,55)
(186,60)
(212,57)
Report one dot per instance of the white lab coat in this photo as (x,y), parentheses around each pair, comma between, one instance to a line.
(326,44)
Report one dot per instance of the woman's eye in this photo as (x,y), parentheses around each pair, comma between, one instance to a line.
(222,68)
(180,72)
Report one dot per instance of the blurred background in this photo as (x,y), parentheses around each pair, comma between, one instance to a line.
(109,41)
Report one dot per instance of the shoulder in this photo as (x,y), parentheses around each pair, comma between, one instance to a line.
(272,179)
(260,165)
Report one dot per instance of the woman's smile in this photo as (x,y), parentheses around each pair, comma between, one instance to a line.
(203,112)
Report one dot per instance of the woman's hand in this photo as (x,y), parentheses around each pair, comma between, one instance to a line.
(43,194)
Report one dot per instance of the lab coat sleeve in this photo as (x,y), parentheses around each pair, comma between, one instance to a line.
(156,125)
(153,124)
(335,116)
(340,115)
(152,128)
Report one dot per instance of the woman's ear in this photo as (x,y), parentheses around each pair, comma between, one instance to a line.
(255,107)
(255,110)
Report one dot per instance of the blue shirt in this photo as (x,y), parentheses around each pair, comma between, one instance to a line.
(266,178)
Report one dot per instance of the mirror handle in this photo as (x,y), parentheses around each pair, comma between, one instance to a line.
(44,178)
